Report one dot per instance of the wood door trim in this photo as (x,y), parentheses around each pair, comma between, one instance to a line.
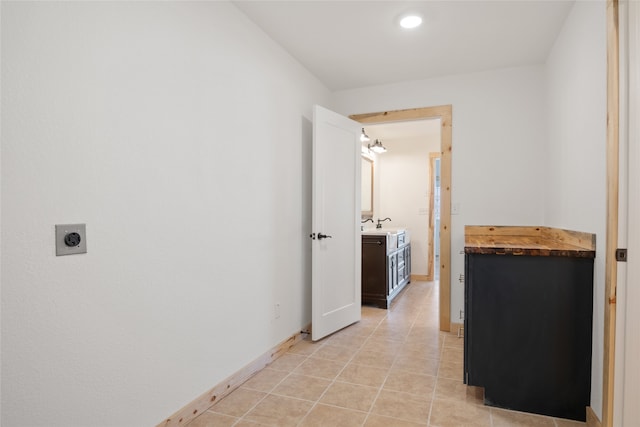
(445,114)
(613,103)
(431,245)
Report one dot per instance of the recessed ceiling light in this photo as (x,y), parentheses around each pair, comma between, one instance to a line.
(411,21)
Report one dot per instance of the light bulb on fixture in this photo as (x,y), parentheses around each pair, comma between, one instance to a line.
(411,21)
(377,147)
(364,137)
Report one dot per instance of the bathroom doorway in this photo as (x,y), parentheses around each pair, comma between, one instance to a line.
(403,184)
(444,113)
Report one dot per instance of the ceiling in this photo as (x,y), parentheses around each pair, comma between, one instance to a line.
(351,44)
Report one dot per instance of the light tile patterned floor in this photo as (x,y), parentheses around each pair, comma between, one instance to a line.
(393,368)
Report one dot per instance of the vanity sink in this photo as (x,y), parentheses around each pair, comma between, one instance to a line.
(381,231)
(396,237)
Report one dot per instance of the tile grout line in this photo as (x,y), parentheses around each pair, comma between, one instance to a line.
(341,370)
(382,333)
(267,394)
(413,322)
(289,373)
(429,294)
(435,385)
(307,356)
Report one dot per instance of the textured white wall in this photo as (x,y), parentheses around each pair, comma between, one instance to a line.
(404,188)
(498,145)
(180,134)
(576,155)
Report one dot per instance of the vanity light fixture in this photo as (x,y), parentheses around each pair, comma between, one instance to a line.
(364,137)
(377,147)
(410,21)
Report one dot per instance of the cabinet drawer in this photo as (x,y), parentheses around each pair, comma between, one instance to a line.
(374,240)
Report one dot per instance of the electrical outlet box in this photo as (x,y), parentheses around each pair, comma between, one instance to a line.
(71,239)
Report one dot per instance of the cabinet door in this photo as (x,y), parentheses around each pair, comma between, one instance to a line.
(374,269)
(528,332)
(407,260)
(393,274)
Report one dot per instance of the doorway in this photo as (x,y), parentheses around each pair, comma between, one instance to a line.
(444,113)
(403,187)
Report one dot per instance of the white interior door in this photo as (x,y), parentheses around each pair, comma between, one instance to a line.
(336,258)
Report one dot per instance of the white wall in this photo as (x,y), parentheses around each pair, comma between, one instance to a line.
(403,192)
(576,155)
(180,134)
(498,145)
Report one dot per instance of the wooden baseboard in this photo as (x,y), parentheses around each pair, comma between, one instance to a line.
(456,329)
(592,418)
(190,411)
(421,277)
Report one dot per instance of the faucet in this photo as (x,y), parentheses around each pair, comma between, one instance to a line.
(379,225)
(362,222)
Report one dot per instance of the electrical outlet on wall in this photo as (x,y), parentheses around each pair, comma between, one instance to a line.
(70,239)
(277,310)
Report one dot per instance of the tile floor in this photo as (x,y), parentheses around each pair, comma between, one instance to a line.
(393,368)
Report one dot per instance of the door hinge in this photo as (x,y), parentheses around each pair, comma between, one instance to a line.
(621,255)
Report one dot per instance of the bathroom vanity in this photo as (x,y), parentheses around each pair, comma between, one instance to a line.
(528,318)
(386,265)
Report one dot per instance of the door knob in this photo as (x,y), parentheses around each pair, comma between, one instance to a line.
(323,236)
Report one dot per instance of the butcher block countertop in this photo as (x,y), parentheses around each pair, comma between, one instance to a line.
(527,240)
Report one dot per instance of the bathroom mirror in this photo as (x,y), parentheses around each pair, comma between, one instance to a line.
(367,188)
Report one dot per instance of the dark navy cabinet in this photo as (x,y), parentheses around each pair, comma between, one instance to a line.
(385,270)
(528,327)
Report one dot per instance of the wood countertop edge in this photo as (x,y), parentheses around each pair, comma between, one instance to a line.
(484,250)
(528,240)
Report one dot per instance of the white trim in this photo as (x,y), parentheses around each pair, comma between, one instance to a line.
(627,376)
(631,393)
